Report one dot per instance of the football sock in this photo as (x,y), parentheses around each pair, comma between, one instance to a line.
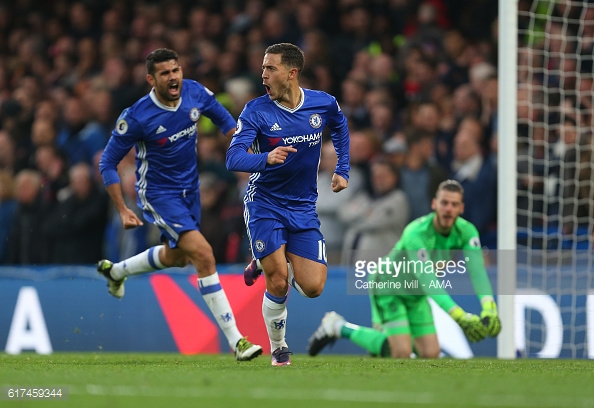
(274,311)
(144,262)
(214,296)
(292,282)
(371,340)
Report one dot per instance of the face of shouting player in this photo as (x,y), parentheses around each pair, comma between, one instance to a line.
(448,206)
(167,82)
(276,78)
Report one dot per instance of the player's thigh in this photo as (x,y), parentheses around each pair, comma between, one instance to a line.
(309,274)
(193,244)
(275,263)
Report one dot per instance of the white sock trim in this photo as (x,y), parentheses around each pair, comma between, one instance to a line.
(209,280)
(156,259)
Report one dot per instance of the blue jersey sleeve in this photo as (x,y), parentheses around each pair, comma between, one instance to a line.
(238,158)
(217,112)
(339,132)
(123,138)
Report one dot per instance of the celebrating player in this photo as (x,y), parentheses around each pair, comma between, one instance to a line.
(284,131)
(163,127)
(406,319)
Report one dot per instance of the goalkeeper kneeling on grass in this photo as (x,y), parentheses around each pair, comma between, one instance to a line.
(405,320)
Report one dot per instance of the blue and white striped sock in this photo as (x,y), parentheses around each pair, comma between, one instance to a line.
(274,311)
(216,299)
(144,262)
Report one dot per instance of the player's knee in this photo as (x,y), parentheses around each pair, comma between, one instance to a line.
(277,284)
(400,349)
(430,352)
(313,291)
(313,287)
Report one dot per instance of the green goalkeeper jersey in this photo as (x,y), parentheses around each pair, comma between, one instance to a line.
(420,241)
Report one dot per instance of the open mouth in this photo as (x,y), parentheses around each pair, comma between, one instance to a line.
(267,87)
(173,87)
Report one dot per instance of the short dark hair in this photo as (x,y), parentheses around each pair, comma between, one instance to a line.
(157,56)
(452,186)
(291,55)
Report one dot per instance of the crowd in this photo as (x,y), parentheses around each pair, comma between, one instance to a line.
(416,80)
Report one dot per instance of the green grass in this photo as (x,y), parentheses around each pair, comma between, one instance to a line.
(172,380)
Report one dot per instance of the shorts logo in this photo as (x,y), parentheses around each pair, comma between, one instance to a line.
(194,114)
(260,245)
(122,126)
(315,121)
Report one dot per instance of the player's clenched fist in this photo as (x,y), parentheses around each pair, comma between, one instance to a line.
(279,154)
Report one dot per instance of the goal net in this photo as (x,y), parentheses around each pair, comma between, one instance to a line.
(555,191)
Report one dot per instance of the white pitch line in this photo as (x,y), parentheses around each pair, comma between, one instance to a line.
(364,396)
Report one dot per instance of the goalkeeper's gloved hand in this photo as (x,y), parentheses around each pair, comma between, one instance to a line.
(490,318)
(470,324)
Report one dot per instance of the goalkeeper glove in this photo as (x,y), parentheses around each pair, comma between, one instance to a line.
(470,324)
(490,318)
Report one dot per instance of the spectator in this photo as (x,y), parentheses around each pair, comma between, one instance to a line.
(478,177)
(27,244)
(420,175)
(75,226)
(374,221)
(79,138)
(328,203)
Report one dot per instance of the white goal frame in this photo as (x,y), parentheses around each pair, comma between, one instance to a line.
(507,174)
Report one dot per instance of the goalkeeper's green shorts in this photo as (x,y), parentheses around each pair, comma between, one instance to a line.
(402,315)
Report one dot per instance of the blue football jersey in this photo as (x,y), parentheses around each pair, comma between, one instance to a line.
(165,140)
(265,124)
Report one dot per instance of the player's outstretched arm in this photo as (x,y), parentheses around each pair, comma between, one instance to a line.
(490,317)
(470,324)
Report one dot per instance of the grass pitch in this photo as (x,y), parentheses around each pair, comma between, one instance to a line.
(173,380)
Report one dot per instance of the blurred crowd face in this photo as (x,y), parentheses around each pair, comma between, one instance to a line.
(383,178)
(28,184)
(80,180)
(465,146)
(43,132)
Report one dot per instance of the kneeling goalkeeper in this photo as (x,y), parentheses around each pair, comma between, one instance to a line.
(405,320)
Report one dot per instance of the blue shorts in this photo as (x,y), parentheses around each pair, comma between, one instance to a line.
(270,227)
(173,215)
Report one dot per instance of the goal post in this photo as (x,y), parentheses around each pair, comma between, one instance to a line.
(507,174)
(545,257)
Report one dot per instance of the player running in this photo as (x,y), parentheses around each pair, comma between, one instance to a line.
(163,127)
(284,130)
(405,320)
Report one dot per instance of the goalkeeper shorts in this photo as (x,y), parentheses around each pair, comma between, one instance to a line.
(402,315)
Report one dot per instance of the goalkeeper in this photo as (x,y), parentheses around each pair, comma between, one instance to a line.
(405,320)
